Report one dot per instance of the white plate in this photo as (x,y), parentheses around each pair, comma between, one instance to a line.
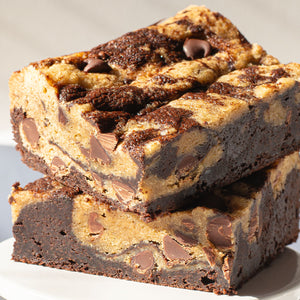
(19,281)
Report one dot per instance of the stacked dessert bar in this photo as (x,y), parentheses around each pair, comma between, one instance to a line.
(168,153)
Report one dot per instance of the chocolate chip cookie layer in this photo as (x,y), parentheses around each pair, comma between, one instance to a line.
(141,123)
(213,247)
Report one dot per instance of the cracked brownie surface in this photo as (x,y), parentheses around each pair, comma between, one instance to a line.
(216,246)
(146,120)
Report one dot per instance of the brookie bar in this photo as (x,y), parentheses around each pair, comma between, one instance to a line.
(213,247)
(144,121)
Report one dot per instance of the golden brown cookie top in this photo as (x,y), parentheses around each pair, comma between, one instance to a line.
(142,85)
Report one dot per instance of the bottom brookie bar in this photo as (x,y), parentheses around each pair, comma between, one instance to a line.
(213,247)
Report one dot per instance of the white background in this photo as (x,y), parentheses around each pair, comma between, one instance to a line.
(32,30)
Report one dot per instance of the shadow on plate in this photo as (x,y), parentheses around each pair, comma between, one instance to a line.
(282,274)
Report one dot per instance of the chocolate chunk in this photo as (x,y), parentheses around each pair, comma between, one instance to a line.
(97,151)
(195,48)
(124,192)
(187,164)
(85,152)
(94,226)
(95,65)
(185,239)
(143,261)
(188,224)
(173,250)
(62,117)
(219,232)
(57,164)
(108,141)
(30,130)
(210,255)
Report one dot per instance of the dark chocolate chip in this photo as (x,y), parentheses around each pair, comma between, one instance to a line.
(30,130)
(85,152)
(143,261)
(95,65)
(97,151)
(173,250)
(124,192)
(57,164)
(185,239)
(195,48)
(94,226)
(188,224)
(210,255)
(219,231)
(62,117)
(108,141)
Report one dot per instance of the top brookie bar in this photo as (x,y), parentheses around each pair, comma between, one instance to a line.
(145,120)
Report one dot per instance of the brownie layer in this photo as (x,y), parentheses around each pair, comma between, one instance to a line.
(244,121)
(212,248)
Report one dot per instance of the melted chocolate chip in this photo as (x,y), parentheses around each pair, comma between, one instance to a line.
(188,224)
(108,141)
(195,48)
(173,250)
(143,261)
(124,192)
(85,152)
(95,228)
(187,164)
(219,231)
(97,151)
(185,239)
(57,164)
(95,65)
(30,130)
(62,117)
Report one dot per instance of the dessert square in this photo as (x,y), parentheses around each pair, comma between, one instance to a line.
(147,120)
(215,246)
